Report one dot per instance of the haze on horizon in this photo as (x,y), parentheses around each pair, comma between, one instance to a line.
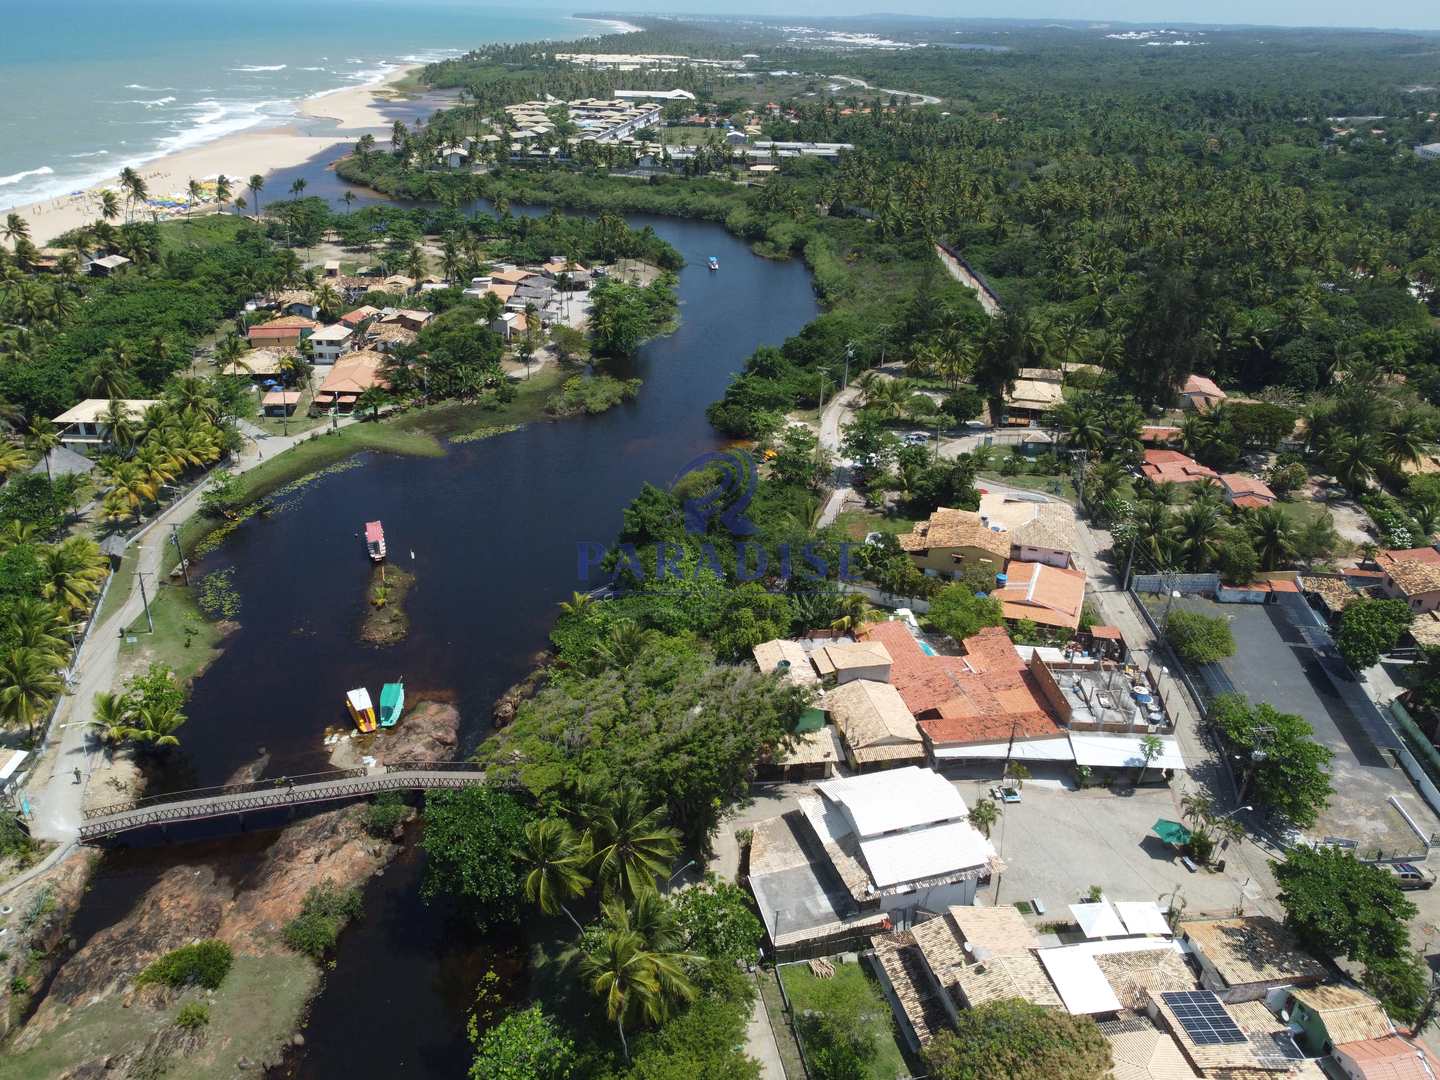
(1387,14)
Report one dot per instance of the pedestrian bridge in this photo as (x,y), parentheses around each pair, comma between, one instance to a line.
(276,792)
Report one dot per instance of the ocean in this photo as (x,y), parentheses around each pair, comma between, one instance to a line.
(89,86)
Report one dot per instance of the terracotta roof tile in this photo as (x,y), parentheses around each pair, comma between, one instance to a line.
(1043,594)
(979,697)
(1390,1058)
(1199,384)
(1414,578)
(1173,467)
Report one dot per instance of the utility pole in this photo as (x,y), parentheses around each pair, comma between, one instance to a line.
(1130,559)
(175,536)
(849,355)
(144,599)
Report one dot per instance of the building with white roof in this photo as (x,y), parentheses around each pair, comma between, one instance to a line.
(889,843)
(84,424)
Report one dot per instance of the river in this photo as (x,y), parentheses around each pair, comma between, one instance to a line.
(490,531)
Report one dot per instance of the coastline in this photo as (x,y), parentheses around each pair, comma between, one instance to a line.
(238,155)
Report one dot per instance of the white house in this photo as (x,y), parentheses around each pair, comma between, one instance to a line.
(454,157)
(84,424)
(330,343)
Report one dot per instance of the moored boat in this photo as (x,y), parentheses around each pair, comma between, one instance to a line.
(392,703)
(357,701)
(375,541)
(714,263)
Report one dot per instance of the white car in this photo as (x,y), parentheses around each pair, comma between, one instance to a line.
(916,438)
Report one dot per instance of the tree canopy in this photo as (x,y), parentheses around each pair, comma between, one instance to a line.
(1021,1041)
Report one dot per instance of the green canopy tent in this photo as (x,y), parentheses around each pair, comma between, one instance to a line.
(1172,832)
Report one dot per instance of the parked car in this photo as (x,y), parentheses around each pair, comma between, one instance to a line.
(1410,876)
(916,438)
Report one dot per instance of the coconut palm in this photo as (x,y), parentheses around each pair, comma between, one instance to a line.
(984,814)
(109,205)
(1272,535)
(578,603)
(1351,459)
(855,611)
(42,439)
(132,490)
(71,573)
(35,624)
(256,184)
(1197,532)
(113,718)
(223,190)
(119,423)
(13,460)
(155,724)
(135,190)
(196,194)
(620,973)
(193,397)
(372,398)
(632,845)
(554,858)
(28,681)
(16,229)
(1403,441)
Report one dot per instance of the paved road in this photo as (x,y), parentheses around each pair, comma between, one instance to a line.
(837,413)
(925,99)
(54,795)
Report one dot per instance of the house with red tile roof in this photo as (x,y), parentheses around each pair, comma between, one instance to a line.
(1388,1058)
(286,330)
(1173,467)
(1201,393)
(1246,491)
(1044,594)
(986,695)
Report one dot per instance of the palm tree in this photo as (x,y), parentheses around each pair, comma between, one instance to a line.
(619,971)
(132,490)
(1351,460)
(196,193)
(1273,536)
(855,611)
(373,398)
(109,205)
(1197,532)
(14,533)
(71,574)
(297,187)
(223,190)
(43,438)
(119,423)
(135,190)
(35,624)
(632,845)
(28,681)
(1403,442)
(555,858)
(113,718)
(155,724)
(16,229)
(13,460)
(256,184)
(984,814)
(578,603)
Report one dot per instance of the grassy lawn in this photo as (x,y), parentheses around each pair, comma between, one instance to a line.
(858,523)
(252,1014)
(202,231)
(852,993)
(298,421)
(184,640)
(687,135)
(1301,512)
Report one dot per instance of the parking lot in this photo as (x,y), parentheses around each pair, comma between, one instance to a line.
(1056,843)
(1272,664)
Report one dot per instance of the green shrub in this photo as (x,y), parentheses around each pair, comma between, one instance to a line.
(193,1016)
(326,910)
(205,963)
(385,813)
(1200,639)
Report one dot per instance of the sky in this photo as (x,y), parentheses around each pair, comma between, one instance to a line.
(1408,14)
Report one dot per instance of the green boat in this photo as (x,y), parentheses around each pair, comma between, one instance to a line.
(392,703)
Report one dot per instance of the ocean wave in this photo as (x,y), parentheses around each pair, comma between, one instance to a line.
(216,119)
(259,67)
(152,89)
(90,153)
(153,103)
(15,178)
(312,69)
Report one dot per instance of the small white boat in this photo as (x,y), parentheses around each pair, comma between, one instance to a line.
(357,701)
(714,263)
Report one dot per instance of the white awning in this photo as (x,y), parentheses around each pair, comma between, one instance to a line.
(1022,750)
(1143,917)
(1121,751)
(10,761)
(1098,920)
(1082,985)
(925,853)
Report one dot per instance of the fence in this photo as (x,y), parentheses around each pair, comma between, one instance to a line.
(968,276)
(1184,584)
(1417,756)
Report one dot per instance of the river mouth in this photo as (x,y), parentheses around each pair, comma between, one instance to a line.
(490,530)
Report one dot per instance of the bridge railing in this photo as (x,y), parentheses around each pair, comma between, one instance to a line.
(268,784)
(433,766)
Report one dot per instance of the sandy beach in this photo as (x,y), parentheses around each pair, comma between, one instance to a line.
(237,156)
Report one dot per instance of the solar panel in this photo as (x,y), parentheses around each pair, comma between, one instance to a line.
(1205,1020)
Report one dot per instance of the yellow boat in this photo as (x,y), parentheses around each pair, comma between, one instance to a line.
(361,711)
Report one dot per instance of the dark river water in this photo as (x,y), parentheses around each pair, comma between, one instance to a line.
(493,527)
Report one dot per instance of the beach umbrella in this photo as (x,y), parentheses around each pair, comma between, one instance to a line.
(1172,832)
